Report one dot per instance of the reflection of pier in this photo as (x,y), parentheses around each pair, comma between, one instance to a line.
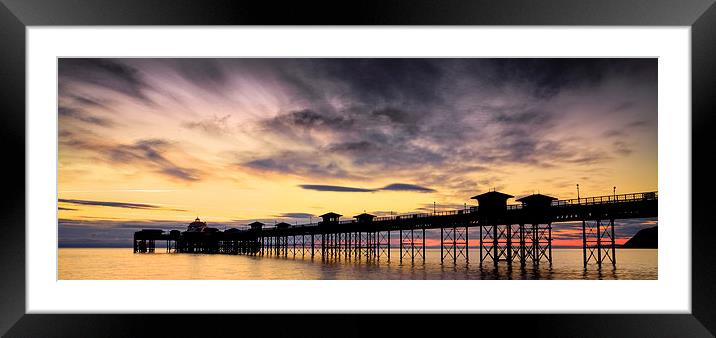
(511,233)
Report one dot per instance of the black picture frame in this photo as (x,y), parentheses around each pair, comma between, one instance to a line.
(16,15)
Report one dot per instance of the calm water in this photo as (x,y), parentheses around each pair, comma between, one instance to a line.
(123,264)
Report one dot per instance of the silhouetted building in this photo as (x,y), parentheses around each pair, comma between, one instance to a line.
(232,230)
(196,226)
(536,201)
(282,225)
(491,205)
(492,201)
(330,218)
(364,218)
(256,225)
(175,233)
(537,208)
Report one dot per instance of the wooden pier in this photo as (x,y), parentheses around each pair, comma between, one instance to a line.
(518,233)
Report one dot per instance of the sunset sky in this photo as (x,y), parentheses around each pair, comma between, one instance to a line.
(154,143)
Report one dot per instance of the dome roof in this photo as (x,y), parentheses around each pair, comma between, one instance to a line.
(197,225)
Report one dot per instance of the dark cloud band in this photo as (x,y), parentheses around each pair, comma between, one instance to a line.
(109,204)
(390,187)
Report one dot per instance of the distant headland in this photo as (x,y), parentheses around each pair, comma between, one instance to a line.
(644,239)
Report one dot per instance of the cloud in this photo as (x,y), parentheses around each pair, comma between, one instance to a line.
(296,215)
(371,116)
(109,74)
(183,174)
(208,74)
(622,131)
(390,187)
(212,126)
(521,118)
(622,148)
(333,188)
(68,209)
(86,101)
(623,106)
(298,163)
(406,187)
(83,116)
(109,204)
(151,153)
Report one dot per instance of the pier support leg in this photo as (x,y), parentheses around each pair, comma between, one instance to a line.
(522,244)
(614,250)
(467,245)
(453,243)
(442,245)
(495,254)
(482,244)
(509,243)
(535,245)
(495,246)
(598,242)
(549,238)
(401,245)
(412,247)
(584,243)
(423,241)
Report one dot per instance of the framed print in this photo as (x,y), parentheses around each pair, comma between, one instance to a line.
(413,165)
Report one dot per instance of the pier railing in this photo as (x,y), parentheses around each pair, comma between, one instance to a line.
(633,197)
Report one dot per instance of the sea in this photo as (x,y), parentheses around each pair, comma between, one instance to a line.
(123,264)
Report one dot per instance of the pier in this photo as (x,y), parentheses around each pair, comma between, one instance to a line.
(513,233)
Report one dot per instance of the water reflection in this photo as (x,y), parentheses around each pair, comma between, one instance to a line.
(567,264)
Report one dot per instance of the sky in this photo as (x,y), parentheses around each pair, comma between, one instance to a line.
(155,143)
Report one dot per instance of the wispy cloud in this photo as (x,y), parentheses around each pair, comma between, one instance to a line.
(109,204)
(108,74)
(124,190)
(213,126)
(151,153)
(305,164)
(80,115)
